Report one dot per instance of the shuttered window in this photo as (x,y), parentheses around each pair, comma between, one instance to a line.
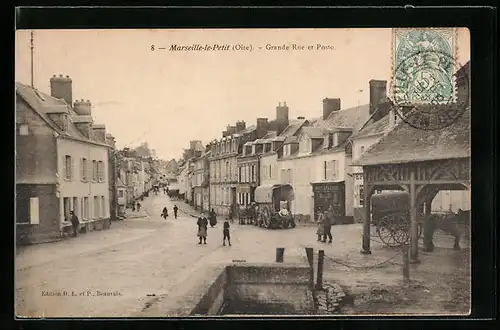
(67,167)
(84,169)
(94,170)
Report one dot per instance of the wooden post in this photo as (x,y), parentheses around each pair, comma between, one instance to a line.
(280,252)
(414,219)
(319,278)
(310,259)
(367,219)
(406,264)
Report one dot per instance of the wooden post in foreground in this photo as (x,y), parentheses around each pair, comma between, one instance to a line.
(319,278)
(406,264)
(310,259)
(280,252)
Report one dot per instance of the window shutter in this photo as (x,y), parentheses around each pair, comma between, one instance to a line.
(324,171)
(72,168)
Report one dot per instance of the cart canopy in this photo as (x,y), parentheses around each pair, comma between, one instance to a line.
(390,201)
(282,192)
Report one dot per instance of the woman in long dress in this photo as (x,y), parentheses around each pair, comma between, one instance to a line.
(202,229)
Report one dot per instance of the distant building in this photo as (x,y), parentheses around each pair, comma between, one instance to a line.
(61,163)
(223,167)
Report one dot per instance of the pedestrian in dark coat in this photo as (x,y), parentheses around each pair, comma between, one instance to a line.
(202,229)
(225,233)
(75,223)
(329,219)
(213,218)
(175,211)
(164,212)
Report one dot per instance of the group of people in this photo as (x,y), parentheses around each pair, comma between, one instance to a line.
(326,219)
(164,212)
(204,221)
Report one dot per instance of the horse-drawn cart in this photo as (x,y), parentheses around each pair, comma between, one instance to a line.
(273,206)
(391,216)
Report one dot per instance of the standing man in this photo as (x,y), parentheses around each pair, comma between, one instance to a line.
(175,211)
(328,222)
(225,233)
(75,222)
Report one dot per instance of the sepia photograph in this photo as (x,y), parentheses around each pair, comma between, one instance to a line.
(242,172)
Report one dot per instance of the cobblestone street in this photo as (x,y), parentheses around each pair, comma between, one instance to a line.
(141,257)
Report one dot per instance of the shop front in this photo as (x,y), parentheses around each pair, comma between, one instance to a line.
(330,194)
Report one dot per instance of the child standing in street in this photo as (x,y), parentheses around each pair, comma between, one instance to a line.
(225,232)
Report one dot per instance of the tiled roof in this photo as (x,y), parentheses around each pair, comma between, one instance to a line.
(406,144)
(43,104)
(249,129)
(293,126)
(314,132)
(270,134)
(380,126)
(353,118)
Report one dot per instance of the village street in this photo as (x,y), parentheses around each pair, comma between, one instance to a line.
(139,258)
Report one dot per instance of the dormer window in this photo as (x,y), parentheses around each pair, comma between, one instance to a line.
(331,140)
(305,145)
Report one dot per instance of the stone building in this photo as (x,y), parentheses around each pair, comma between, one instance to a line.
(223,165)
(61,163)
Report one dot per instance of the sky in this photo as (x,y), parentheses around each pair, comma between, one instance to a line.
(168,98)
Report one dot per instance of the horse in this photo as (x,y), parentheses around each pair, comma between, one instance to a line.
(447,223)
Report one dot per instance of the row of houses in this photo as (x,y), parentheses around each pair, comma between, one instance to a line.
(66,162)
(316,156)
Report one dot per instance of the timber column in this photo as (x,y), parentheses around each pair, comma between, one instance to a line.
(367,216)
(414,219)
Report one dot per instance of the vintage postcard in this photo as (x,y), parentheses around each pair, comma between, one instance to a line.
(218,172)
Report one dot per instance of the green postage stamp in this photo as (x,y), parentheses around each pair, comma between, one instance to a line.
(424,61)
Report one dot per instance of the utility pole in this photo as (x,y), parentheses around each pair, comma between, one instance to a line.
(32,47)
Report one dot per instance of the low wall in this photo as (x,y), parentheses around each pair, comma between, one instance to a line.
(275,288)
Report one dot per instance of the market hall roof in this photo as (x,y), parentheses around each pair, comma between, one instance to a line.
(407,144)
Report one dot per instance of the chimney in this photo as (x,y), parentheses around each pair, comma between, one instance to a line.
(82,107)
(378,93)
(262,127)
(61,88)
(282,115)
(193,145)
(225,133)
(99,133)
(230,129)
(330,105)
(240,126)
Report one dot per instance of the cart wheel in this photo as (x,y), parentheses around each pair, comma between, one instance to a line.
(386,229)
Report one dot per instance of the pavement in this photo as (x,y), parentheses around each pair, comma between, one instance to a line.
(117,272)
